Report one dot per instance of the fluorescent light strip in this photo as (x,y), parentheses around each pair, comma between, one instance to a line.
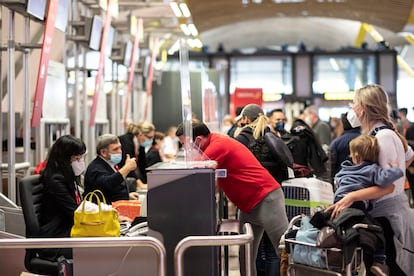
(192,29)
(176,9)
(198,43)
(185,29)
(185,10)
(175,47)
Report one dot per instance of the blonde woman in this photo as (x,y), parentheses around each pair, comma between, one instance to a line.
(370,111)
(252,135)
(134,142)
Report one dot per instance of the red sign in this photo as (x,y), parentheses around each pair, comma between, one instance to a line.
(132,69)
(245,96)
(150,77)
(44,63)
(95,99)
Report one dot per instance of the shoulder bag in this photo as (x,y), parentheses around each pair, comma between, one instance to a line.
(279,149)
(101,223)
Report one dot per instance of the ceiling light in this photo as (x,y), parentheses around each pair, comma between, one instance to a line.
(175,47)
(185,29)
(334,64)
(191,43)
(287,1)
(192,29)
(185,10)
(198,43)
(176,10)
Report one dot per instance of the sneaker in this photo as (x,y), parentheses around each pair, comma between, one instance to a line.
(379,269)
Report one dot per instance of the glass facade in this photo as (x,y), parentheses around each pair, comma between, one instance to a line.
(342,73)
(272,74)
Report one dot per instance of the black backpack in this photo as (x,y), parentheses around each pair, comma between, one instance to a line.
(305,148)
(261,151)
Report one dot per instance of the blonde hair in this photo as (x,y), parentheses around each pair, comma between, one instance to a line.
(133,129)
(374,101)
(259,125)
(146,127)
(364,148)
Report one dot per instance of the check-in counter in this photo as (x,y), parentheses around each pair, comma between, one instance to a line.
(180,203)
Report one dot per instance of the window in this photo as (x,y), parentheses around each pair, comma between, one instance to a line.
(272,74)
(342,73)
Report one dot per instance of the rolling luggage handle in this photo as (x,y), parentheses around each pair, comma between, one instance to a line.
(345,269)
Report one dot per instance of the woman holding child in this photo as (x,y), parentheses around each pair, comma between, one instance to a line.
(391,207)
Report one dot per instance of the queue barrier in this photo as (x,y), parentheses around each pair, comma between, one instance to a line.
(226,227)
(141,241)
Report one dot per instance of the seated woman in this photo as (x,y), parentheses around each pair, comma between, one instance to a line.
(61,179)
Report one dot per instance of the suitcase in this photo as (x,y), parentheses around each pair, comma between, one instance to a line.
(304,195)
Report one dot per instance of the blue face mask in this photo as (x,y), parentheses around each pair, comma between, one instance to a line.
(280,126)
(116,158)
(146,143)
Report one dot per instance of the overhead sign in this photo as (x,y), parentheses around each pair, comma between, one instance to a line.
(150,77)
(245,96)
(132,70)
(44,63)
(95,99)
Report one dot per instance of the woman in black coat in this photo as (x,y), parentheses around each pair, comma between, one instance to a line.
(61,179)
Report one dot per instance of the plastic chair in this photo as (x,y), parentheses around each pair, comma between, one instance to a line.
(31,193)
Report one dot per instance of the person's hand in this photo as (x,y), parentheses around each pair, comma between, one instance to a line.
(133,195)
(339,206)
(141,185)
(130,163)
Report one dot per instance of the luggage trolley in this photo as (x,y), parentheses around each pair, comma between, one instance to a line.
(354,267)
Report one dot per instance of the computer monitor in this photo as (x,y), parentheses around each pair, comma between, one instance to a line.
(94,32)
(36,8)
(109,41)
(127,53)
(62,15)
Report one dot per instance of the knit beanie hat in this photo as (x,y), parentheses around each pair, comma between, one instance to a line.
(252,111)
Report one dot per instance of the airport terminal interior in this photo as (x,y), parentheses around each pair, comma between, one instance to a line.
(92,67)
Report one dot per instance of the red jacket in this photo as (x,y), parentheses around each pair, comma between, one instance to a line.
(247,182)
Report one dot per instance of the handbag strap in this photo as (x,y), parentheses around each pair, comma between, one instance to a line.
(94,194)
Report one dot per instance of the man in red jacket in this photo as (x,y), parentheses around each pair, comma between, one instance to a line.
(248,185)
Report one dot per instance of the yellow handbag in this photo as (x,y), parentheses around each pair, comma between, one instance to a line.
(103,223)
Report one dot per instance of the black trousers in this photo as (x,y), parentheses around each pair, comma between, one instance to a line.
(394,269)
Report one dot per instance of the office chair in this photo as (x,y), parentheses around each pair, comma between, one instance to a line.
(31,192)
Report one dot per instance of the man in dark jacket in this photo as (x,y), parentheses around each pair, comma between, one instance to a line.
(339,148)
(103,173)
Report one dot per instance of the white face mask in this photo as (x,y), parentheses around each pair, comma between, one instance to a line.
(78,167)
(353,119)
(308,121)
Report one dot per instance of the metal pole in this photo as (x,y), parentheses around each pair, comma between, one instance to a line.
(191,241)
(114,92)
(76,96)
(106,242)
(85,105)
(1,92)
(12,126)
(26,105)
